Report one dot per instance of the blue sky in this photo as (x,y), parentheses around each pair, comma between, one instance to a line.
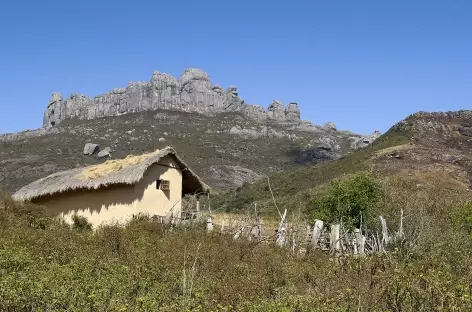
(362,64)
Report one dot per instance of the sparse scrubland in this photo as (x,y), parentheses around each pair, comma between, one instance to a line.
(46,265)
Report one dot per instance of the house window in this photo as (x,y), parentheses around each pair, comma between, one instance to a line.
(163,185)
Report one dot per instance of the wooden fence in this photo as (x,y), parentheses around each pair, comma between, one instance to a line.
(300,237)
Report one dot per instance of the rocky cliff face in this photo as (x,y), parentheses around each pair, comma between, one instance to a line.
(191,92)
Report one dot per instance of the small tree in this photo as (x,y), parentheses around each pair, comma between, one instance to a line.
(350,200)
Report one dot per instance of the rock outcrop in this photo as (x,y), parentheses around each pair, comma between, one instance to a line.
(106,152)
(292,112)
(363,141)
(330,126)
(191,92)
(91,148)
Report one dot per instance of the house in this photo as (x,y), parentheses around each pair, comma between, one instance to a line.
(114,191)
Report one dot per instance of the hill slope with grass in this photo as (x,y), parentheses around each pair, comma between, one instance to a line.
(425,150)
(419,167)
(227,150)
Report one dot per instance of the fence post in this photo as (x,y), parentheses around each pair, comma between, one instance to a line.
(209,224)
(317,233)
(256,231)
(223,223)
(335,243)
(360,242)
(385,238)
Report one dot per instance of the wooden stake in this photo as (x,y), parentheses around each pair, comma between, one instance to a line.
(223,223)
(317,233)
(335,242)
(360,241)
(209,224)
(385,238)
(281,231)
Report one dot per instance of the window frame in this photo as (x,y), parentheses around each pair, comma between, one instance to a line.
(163,185)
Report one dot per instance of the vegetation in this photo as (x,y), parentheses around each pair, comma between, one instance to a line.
(80,223)
(463,217)
(352,201)
(293,189)
(46,265)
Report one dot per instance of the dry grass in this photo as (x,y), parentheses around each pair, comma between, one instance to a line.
(111,166)
(129,171)
(139,268)
(235,220)
(392,149)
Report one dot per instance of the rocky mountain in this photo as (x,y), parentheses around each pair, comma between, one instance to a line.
(191,92)
(227,141)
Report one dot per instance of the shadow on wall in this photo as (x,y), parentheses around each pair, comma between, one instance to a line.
(93,200)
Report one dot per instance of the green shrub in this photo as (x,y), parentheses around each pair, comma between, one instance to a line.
(349,200)
(80,223)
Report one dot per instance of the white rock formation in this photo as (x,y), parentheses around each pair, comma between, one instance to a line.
(191,92)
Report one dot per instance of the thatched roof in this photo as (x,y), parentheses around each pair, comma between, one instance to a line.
(123,171)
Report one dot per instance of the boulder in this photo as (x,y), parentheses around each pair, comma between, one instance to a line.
(276,111)
(326,143)
(255,112)
(162,140)
(106,152)
(363,141)
(191,75)
(330,126)
(292,112)
(91,148)
(52,115)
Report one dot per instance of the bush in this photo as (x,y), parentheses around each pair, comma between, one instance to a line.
(349,200)
(140,267)
(80,223)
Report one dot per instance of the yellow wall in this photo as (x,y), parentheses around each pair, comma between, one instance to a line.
(119,202)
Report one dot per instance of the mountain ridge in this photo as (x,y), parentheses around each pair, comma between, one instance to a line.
(193,91)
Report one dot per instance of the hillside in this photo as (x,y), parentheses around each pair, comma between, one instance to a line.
(424,148)
(226,140)
(422,165)
(227,150)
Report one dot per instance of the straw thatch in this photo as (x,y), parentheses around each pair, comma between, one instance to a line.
(124,171)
